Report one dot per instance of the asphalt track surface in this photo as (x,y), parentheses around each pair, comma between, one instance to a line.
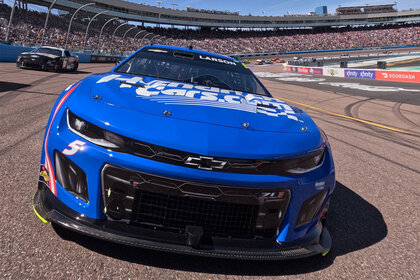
(373,218)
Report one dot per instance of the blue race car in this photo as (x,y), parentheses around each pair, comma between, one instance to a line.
(186,151)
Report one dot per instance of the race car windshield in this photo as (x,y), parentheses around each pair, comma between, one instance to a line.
(48,51)
(195,68)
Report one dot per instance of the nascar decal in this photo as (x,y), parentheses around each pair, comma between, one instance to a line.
(177,93)
(48,164)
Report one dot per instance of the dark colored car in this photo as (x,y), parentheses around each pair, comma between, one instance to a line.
(48,58)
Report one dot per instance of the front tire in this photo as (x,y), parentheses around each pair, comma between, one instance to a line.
(59,67)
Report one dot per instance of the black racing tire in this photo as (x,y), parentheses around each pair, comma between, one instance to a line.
(76,66)
(59,67)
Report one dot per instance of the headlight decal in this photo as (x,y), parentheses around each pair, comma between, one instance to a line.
(91,132)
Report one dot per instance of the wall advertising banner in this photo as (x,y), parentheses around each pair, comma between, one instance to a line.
(333,72)
(398,76)
(316,71)
(361,74)
(303,70)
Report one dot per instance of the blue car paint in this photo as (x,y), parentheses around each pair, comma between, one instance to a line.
(193,134)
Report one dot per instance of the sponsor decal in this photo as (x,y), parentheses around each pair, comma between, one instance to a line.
(216,59)
(288,68)
(333,72)
(177,93)
(44,174)
(157,50)
(205,163)
(316,71)
(361,74)
(398,76)
(303,70)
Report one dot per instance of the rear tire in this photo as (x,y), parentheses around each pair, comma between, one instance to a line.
(76,66)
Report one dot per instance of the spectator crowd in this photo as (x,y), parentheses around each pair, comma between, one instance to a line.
(27,27)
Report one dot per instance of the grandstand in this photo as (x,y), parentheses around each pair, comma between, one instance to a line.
(151,14)
(357,10)
(376,26)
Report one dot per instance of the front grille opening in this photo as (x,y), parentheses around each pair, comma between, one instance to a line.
(174,213)
(143,200)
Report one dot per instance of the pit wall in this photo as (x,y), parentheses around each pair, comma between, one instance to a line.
(382,75)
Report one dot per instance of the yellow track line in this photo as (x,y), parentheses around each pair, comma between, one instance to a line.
(348,117)
(402,62)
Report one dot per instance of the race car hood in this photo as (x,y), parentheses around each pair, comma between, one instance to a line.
(35,55)
(199,103)
(202,129)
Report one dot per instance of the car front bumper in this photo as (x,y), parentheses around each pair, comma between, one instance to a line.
(50,209)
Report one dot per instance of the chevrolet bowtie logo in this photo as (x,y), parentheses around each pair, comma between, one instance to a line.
(205,163)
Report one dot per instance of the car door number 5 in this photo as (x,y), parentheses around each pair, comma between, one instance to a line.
(73,147)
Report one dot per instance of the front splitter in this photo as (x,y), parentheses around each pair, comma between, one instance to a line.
(49,208)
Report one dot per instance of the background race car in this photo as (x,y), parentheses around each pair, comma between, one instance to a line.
(48,58)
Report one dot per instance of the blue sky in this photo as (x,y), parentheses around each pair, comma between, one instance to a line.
(271,7)
(276,7)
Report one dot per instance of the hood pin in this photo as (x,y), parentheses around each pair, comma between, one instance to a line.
(304,129)
(166,113)
(97,97)
(245,125)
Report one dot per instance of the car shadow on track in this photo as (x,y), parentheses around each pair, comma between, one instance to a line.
(353,223)
(9,86)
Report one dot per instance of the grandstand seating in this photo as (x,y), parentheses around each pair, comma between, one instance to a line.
(27,30)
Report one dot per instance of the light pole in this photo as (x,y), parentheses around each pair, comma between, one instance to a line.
(162,39)
(173,8)
(71,20)
(87,29)
(151,40)
(46,21)
(144,37)
(159,3)
(128,31)
(10,21)
(138,33)
(100,34)
(122,24)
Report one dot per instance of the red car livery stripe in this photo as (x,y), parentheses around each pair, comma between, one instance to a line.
(48,165)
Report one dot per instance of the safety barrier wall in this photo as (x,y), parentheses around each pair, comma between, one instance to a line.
(382,75)
(322,51)
(9,53)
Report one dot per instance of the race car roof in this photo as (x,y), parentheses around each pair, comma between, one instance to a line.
(53,48)
(189,50)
